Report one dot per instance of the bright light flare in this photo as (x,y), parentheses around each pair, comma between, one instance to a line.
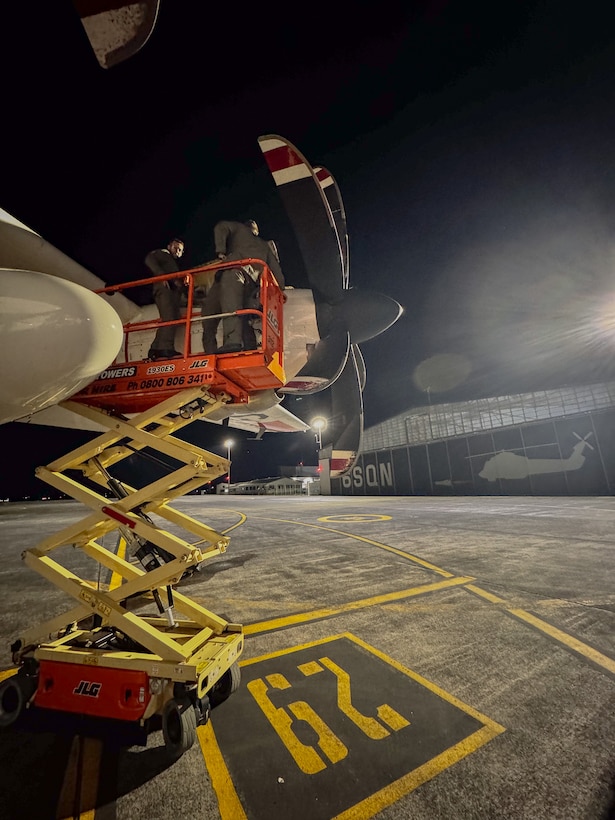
(319,424)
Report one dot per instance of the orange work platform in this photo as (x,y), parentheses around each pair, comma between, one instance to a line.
(135,385)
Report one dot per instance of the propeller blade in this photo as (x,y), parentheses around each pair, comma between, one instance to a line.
(345,317)
(311,218)
(361,370)
(333,195)
(347,409)
(342,409)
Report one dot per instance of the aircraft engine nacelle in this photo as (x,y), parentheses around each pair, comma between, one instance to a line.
(55,338)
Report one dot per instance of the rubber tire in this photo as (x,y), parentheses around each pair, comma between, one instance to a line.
(179,722)
(224,688)
(15,692)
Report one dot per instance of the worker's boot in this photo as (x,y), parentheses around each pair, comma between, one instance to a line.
(233,333)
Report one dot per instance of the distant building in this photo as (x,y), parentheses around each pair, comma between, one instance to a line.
(293,481)
(552,442)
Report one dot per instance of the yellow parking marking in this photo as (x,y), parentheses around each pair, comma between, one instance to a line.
(407,555)
(228,799)
(392,793)
(278,681)
(358,518)
(377,802)
(242,520)
(7,673)
(488,596)
(392,718)
(325,758)
(368,725)
(557,634)
(306,757)
(80,787)
(310,668)
(351,606)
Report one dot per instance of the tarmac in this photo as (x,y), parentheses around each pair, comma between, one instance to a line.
(406,658)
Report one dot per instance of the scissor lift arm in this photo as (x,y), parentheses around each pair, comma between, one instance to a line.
(102,657)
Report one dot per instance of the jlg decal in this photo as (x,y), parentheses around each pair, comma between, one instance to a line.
(88,688)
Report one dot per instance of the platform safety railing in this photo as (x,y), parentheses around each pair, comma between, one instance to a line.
(199,278)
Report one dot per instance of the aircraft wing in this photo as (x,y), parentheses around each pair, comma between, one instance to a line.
(260,420)
(275,419)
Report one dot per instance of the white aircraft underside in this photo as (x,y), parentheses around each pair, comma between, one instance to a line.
(57,335)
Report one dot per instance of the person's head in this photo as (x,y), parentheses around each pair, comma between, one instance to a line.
(176,247)
(252,225)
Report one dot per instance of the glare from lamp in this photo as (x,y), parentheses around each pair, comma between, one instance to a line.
(319,424)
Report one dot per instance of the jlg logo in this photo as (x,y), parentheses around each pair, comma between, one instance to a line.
(88,688)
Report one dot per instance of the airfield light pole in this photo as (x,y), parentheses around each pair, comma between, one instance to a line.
(228,444)
(319,424)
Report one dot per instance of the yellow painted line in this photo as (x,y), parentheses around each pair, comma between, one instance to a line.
(400,788)
(228,800)
(116,579)
(355,518)
(242,520)
(567,640)
(7,674)
(80,787)
(407,555)
(277,653)
(488,596)
(351,606)
(557,634)
(433,687)
(441,693)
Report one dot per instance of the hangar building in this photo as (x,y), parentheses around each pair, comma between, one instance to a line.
(551,442)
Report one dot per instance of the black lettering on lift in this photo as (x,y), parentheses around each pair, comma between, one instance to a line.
(89,688)
(199,363)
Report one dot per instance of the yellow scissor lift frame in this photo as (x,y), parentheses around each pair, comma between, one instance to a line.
(177,665)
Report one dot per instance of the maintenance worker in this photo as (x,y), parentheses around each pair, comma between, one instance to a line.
(168,297)
(233,287)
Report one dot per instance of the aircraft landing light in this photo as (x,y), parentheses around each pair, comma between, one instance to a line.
(334,729)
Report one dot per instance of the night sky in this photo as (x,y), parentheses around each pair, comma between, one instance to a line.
(473,144)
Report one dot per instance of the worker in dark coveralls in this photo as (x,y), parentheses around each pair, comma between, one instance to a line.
(233,287)
(167,296)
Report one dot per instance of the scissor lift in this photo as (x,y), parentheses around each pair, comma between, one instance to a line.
(111,656)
